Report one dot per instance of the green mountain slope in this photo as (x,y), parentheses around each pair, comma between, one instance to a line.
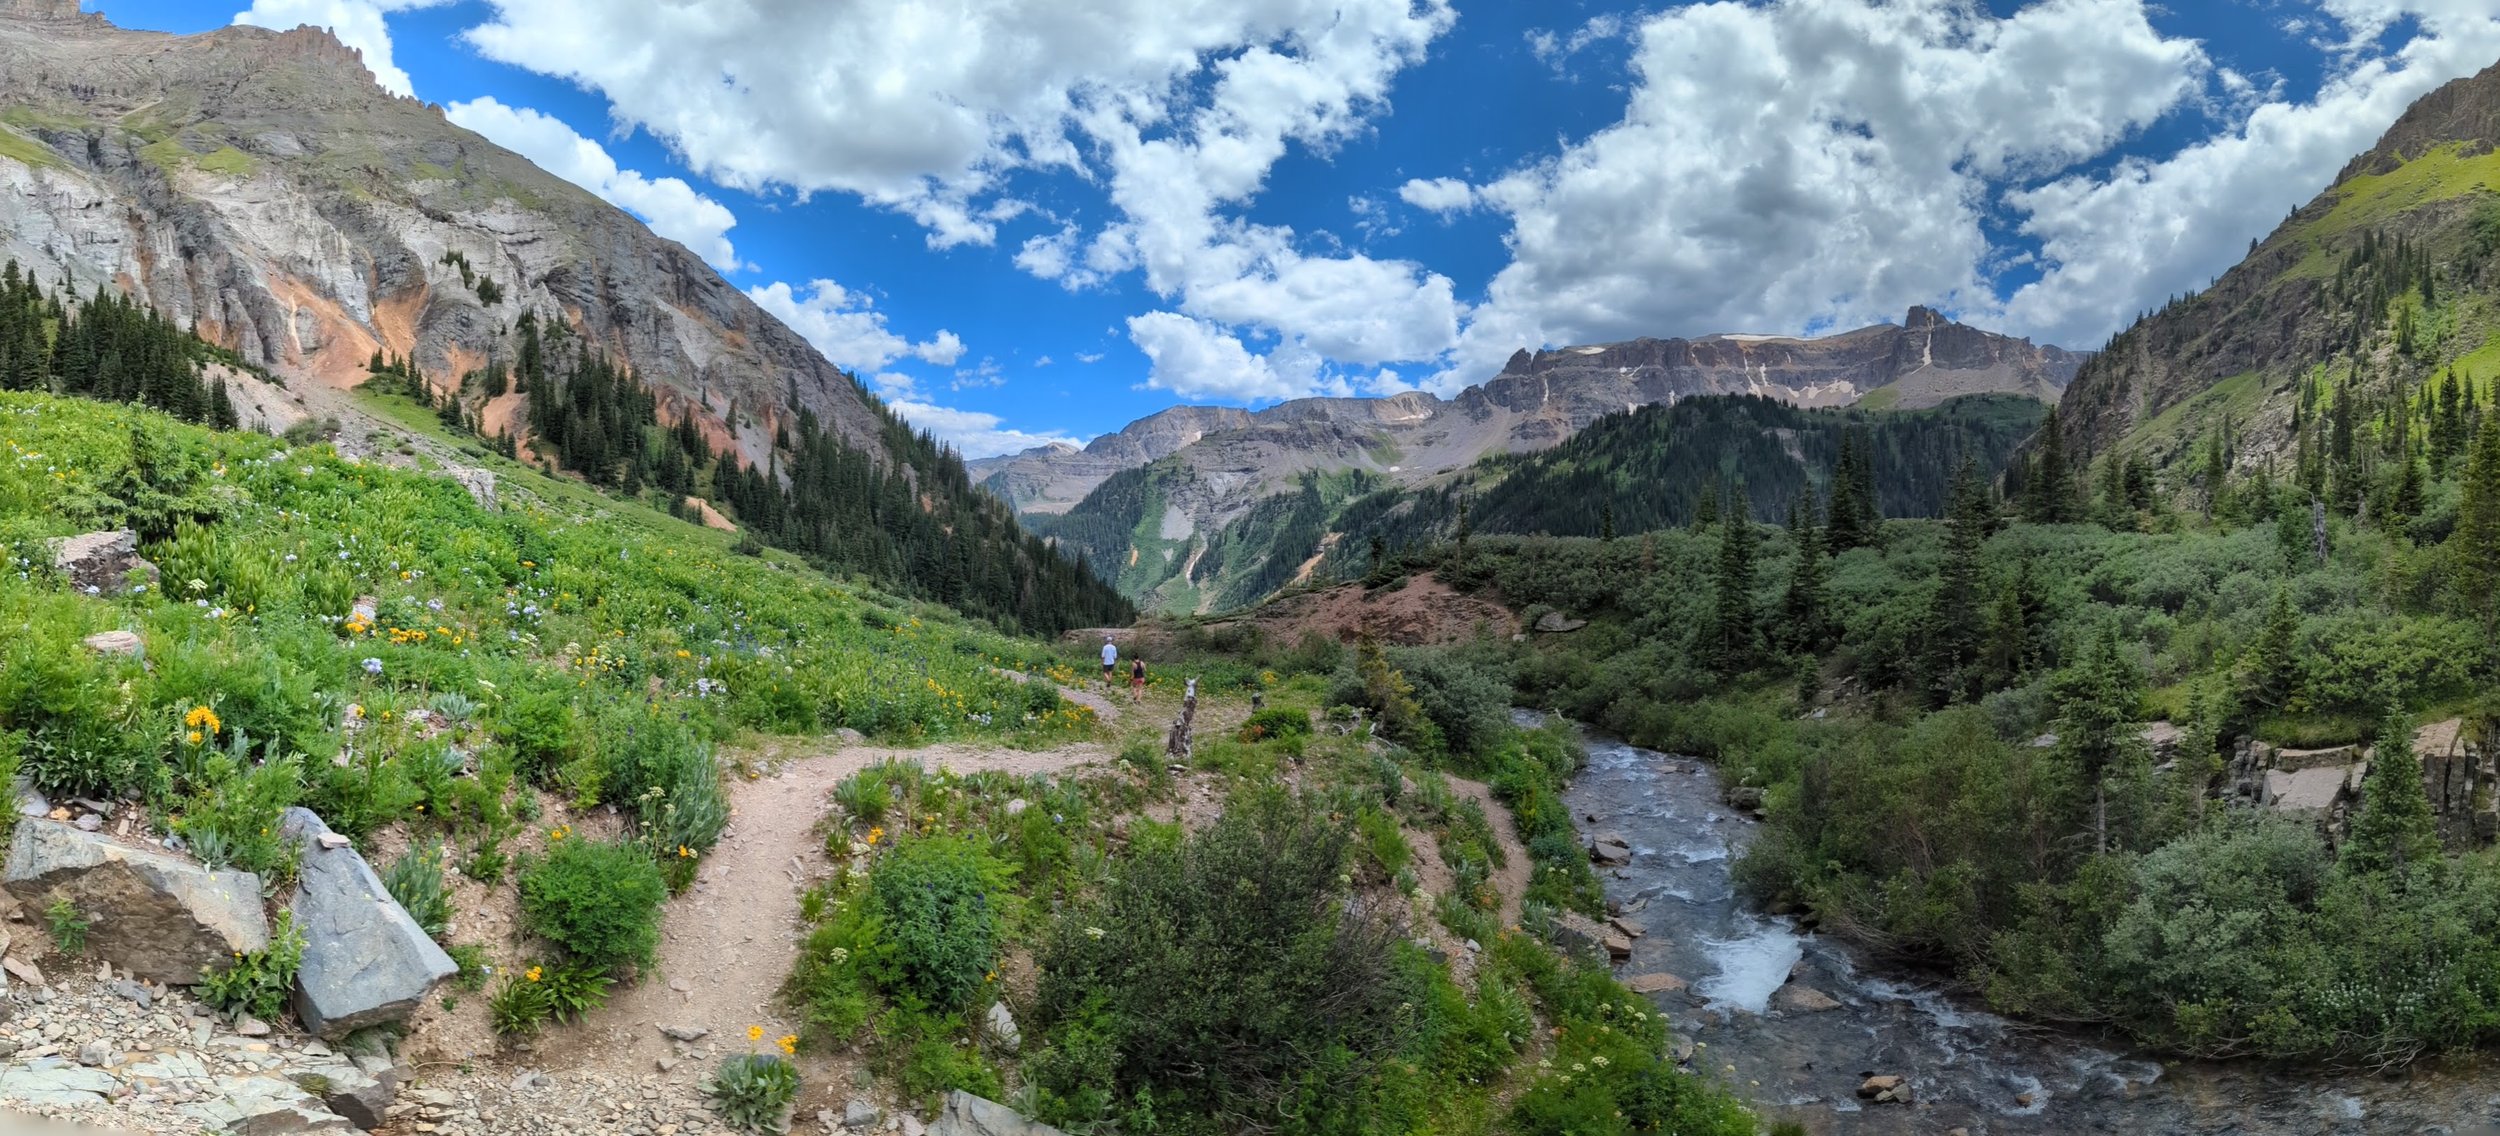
(2368,295)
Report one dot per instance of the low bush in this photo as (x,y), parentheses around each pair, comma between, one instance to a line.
(1276,722)
(598,901)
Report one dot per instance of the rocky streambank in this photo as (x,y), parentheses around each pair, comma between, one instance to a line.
(1807,1029)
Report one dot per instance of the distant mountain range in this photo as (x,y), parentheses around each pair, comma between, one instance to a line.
(1207,467)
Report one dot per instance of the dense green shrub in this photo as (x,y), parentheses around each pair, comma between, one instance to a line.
(598,901)
(942,900)
(1222,977)
(1276,722)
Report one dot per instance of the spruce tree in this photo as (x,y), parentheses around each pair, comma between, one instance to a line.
(1804,626)
(1949,641)
(2097,730)
(1733,635)
(2270,672)
(2049,490)
(2395,830)
(2474,551)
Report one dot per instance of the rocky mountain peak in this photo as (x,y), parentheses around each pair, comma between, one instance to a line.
(1922,318)
(42,10)
(2462,111)
(1519,362)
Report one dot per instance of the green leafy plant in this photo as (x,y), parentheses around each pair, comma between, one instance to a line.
(754,1090)
(471,959)
(258,983)
(598,901)
(416,881)
(1276,722)
(68,927)
(941,898)
(574,990)
(519,1006)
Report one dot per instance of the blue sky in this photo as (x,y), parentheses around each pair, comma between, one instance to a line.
(1033,220)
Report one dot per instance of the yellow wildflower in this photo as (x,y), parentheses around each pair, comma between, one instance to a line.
(194,737)
(789,1044)
(755,1033)
(531,974)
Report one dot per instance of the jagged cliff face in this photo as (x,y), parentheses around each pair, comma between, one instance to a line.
(260,185)
(2233,356)
(1538,400)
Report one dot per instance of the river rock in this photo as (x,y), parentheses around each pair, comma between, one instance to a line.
(1746,798)
(1610,850)
(1804,999)
(1656,984)
(153,916)
(102,561)
(1885,1090)
(1617,947)
(365,960)
(968,1115)
(1626,927)
(1578,934)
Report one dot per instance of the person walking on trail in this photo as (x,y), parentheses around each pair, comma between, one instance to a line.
(1110,659)
(1137,680)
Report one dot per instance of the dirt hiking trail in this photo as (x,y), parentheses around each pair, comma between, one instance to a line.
(727,944)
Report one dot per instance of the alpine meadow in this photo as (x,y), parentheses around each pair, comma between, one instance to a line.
(1348,568)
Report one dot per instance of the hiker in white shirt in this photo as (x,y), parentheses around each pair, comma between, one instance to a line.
(1110,659)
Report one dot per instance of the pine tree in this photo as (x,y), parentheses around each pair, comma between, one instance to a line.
(2474,551)
(1804,625)
(2049,490)
(1949,639)
(2270,672)
(1733,634)
(2395,830)
(2097,731)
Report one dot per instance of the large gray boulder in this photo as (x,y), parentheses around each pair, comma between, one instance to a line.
(159,917)
(365,960)
(968,1115)
(101,561)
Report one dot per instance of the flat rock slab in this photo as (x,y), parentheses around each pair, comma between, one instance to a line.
(49,1082)
(154,916)
(968,1115)
(101,562)
(1804,999)
(365,960)
(1655,984)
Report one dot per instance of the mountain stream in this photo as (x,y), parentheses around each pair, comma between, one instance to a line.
(1968,1069)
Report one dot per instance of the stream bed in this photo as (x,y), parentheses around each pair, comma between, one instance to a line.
(1968,1069)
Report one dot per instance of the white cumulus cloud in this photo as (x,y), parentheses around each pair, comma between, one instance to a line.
(671,207)
(1180,107)
(357,23)
(1438,195)
(847,328)
(974,434)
